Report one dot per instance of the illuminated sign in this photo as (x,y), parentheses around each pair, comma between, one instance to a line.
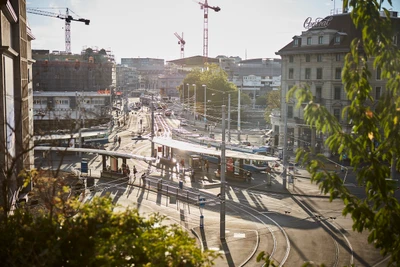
(318,23)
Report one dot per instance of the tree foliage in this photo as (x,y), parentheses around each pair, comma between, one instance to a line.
(374,142)
(97,236)
(273,101)
(218,87)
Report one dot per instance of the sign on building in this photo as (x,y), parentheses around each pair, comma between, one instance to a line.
(252,80)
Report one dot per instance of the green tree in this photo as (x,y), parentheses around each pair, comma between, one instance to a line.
(373,147)
(261,100)
(97,236)
(218,87)
(273,101)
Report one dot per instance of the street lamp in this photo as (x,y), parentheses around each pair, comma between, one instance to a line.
(188,94)
(205,103)
(194,105)
(238,123)
(183,98)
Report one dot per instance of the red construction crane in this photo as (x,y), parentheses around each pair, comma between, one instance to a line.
(67,17)
(182,43)
(205,7)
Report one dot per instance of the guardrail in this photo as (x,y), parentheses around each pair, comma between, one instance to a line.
(174,192)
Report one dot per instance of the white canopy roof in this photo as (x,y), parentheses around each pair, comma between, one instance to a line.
(198,149)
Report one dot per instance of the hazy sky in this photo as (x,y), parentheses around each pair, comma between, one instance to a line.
(145,28)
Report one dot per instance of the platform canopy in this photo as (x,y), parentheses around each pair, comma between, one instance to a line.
(198,149)
(95,151)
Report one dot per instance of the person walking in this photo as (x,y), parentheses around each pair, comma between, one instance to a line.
(134,172)
(206,165)
(119,140)
(143,179)
(115,139)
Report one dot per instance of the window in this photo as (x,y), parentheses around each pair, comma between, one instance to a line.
(338,57)
(338,73)
(308,58)
(337,91)
(62,102)
(39,101)
(320,39)
(318,92)
(290,112)
(319,58)
(308,40)
(378,73)
(337,39)
(296,42)
(291,59)
(97,101)
(378,92)
(395,39)
(308,74)
(336,113)
(319,73)
(291,71)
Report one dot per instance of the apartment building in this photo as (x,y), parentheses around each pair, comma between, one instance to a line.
(16,95)
(316,58)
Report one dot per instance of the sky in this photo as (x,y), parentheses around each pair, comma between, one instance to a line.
(132,28)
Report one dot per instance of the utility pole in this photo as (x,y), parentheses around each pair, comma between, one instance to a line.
(238,123)
(223,167)
(194,105)
(205,103)
(152,126)
(284,173)
(229,118)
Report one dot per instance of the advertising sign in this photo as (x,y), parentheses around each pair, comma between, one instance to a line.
(252,80)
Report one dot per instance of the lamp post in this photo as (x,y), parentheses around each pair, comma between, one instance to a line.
(205,103)
(183,98)
(229,118)
(284,173)
(223,167)
(152,126)
(194,105)
(188,96)
(238,123)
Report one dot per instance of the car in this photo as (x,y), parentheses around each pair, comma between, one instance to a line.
(183,123)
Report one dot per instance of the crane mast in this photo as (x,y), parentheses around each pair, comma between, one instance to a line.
(205,8)
(67,17)
(182,43)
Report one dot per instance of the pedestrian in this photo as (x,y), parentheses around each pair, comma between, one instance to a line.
(134,171)
(119,140)
(143,179)
(115,139)
(193,175)
(206,165)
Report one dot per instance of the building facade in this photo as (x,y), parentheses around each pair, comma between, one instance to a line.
(68,87)
(316,59)
(91,70)
(16,96)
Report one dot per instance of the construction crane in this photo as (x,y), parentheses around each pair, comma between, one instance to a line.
(67,17)
(182,43)
(205,7)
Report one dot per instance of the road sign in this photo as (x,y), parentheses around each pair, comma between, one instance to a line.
(202,202)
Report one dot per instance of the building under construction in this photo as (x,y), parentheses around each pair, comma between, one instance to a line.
(91,70)
(86,82)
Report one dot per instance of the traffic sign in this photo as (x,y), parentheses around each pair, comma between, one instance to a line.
(202,202)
